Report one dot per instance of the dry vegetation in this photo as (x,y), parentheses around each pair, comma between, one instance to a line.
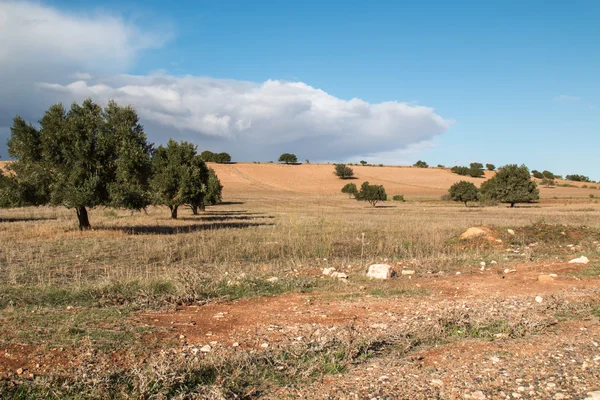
(121,311)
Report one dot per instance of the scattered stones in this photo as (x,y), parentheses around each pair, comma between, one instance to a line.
(408,272)
(265,345)
(273,279)
(493,262)
(339,275)
(380,271)
(539,299)
(206,348)
(328,271)
(510,231)
(545,279)
(482,264)
(580,260)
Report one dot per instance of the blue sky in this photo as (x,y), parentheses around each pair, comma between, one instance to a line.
(512,81)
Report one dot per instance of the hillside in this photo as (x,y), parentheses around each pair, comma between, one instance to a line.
(318,179)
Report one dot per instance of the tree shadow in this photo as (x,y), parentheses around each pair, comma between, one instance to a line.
(27,219)
(225,217)
(173,230)
(230,203)
(385,206)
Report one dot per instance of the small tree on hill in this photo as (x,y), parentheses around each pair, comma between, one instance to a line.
(548,174)
(476,170)
(81,158)
(464,192)
(288,158)
(511,184)
(577,178)
(207,156)
(537,174)
(490,167)
(548,182)
(350,189)
(363,162)
(371,193)
(213,189)
(343,171)
(421,164)
(463,171)
(222,158)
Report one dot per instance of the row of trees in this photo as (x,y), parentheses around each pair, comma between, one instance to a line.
(89,156)
(372,194)
(220,158)
(511,184)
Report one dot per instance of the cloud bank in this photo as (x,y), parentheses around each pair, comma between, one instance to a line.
(48,55)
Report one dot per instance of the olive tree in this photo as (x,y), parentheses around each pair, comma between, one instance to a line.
(511,184)
(343,171)
(81,158)
(464,192)
(371,193)
(350,189)
(288,158)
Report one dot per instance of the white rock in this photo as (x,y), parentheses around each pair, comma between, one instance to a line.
(236,344)
(457,272)
(510,231)
(553,275)
(509,271)
(482,264)
(328,271)
(273,279)
(408,272)
(264,345)
(380,271)
(539,299)
(437,382)
(206,349)
(494,262)
(478,395)
(595,395)
(339,275)
(580,260)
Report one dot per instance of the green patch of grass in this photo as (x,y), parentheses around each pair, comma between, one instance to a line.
(396,292)
(592,271)
(484,331)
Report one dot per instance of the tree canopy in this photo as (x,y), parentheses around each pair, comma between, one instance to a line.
(220,158)
(343,171)
(350,189)
(490,167)
(511,184)
(179,176)
(81,158)
(421,164)
(371,193)
(213,189)
(464,192)
(288,158)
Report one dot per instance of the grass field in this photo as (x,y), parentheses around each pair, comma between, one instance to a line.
(123,310)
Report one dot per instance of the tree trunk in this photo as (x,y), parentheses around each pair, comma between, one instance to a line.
(512,205)
(466,205)
(82,216)
(173,212)
(194,209)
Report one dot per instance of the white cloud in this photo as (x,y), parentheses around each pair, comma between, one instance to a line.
(43,36)
(273,113)
(566,97)
(48,55)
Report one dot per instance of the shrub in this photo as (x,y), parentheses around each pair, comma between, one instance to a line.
(511,184)
(288,158)
(547,174)
(350,189)
(398,197)
(463,171)
(421,164)
(446,197)
(441,166)
(464,192)
(584,186)
(490,167)
(363,162)
(548,182)
(371,193)
(537,174)
(577,178)
(475,171)
(343,171)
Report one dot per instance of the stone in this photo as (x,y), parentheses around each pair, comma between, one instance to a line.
(494,262)
(20,371)
(273,279)
(478,395)
(339,275)
(545,279)
(380,271)
(580,260)
(407,272)
(510,231)
(264,345)
(539,299)
(328,271)
(553,275)
(595,395)
(236,344)
(472,233)
(206,348)
(509,271)
(437,382)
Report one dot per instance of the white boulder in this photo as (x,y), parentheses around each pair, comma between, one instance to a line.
(580,260)
(380,271)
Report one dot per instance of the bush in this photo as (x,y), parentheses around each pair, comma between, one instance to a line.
(371,193)
(548,182)
(537,174)
(440,166)
(398,197)
(363,162)
(421,164)
(288,158)
(464,192)
(475,171)
(490,167)
(547,174)
(463,171)
(350,189)
(446,197)
(584,186)
(577,178)
(511,184)
(343,171)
